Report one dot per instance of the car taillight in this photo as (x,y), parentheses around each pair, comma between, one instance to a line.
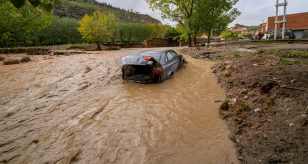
(147,58)
(156,72)
(157,69)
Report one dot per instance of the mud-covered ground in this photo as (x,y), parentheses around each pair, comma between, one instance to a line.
(267,99)
(76,109)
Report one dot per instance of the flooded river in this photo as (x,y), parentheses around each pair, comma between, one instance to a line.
(76,109)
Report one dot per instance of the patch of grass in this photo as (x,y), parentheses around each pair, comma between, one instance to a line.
(301,54)
(60,47)
(260,51)
(285,61)
(270,103)
(240,54)
(276,52)
(236,54)
(305,62)
(68,46)
(294,54)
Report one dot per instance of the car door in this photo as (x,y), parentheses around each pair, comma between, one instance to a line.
(168,63)
(176,61)
(171,63)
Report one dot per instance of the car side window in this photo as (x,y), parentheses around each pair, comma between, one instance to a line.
(169,56)
(174,54)
(165,60)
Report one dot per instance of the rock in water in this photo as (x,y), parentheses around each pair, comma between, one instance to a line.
(25,59)
(2,58)
(11,61)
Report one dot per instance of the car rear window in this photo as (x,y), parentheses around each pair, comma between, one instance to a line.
(155,55)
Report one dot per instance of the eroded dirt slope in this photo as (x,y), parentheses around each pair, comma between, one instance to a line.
(76,108)
(266,106)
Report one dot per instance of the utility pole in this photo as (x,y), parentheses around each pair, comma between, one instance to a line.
(284,19)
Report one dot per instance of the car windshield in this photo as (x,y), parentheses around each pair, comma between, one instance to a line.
(155,55)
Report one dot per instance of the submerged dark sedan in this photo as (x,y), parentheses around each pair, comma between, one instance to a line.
(151,66)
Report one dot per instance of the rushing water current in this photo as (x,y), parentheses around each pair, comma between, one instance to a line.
(76,109)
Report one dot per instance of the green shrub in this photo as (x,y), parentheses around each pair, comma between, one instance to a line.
(225,105)
(60,31)
(172,34)
(229,35)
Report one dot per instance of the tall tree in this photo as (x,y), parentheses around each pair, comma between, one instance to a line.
(98,28)
(18,25)
(180,11)
(213,16)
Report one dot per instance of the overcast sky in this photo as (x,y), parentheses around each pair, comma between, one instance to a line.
(254,12)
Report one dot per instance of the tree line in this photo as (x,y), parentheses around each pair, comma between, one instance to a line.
(29,25)
(210,17)
(26,22)
(33,25)
(101,28)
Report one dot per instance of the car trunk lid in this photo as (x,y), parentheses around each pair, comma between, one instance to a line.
(141,69)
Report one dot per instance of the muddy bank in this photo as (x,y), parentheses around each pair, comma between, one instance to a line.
(231,51)
(47,50)
(267,112)
(41,51)
(76,109)
(266,105)
(28,50)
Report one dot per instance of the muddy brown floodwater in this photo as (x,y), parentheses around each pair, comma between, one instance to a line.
(76,109)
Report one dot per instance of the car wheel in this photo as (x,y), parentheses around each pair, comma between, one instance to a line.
(182,61)
(158,79)
(161,78)
(170,75)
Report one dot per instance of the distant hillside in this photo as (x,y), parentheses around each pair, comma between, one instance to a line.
(78,8)
(249,28)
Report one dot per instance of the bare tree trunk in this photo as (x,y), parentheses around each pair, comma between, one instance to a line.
(195,40)
(189,38)
(98,45)
(208,38)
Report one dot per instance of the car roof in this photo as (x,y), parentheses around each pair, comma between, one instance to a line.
(153,51)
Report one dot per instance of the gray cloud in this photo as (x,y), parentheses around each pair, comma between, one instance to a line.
(254,12)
